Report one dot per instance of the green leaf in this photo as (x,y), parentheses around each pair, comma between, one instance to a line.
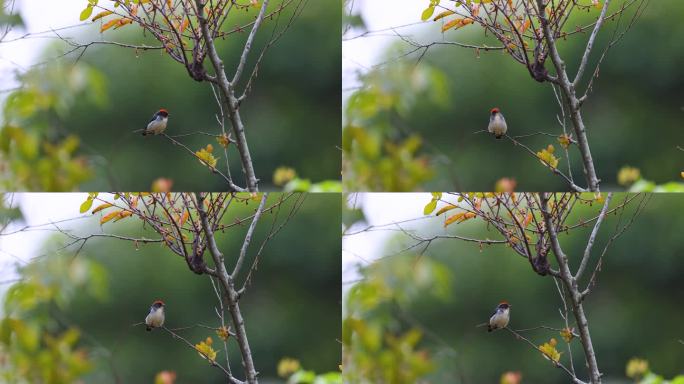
(430,207)
(86,12)
(85,206)
(427,13)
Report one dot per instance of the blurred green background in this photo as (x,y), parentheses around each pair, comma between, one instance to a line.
(291,116)
(633,116)
(433,302)
(291,309)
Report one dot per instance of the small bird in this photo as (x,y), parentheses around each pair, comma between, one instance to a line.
(158,123)
(500,318)
(497,123)
(155,318)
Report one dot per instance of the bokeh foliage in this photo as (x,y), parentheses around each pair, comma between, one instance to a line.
(633,310)
(291,115)
(296,285)
(621,113)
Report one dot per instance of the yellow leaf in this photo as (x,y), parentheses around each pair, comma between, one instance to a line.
(636,368)
(443,14)
(446,209)
(288,366)
(102,14)
(283,175)
(101,207)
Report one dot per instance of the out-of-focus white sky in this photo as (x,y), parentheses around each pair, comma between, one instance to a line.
(38,16)
(362,53)
(38,209)
(379,209)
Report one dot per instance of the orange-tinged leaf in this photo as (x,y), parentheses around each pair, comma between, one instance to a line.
(184,25)
(184,218)
(459,218)
(122,215)
(549,350)
(525,26)
(567,334)
(122,22)
(108,25)
(109,216)
(456,24)
(102,14)
(101,207)
(564,140)
(528,219)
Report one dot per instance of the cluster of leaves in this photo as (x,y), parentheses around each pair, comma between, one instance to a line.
(638,370)
(35,154)
(173,23)
(547,157)
(206,157)
(378,346)
(292,370)
(34,346)
(378,153)
(516,24)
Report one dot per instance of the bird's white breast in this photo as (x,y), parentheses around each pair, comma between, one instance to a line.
(497,125)
(500,319)
(155,318)
(157,125)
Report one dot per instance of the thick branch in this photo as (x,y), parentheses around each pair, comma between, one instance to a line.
(229,100)
(576,297)
(231,294)
(571,99)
